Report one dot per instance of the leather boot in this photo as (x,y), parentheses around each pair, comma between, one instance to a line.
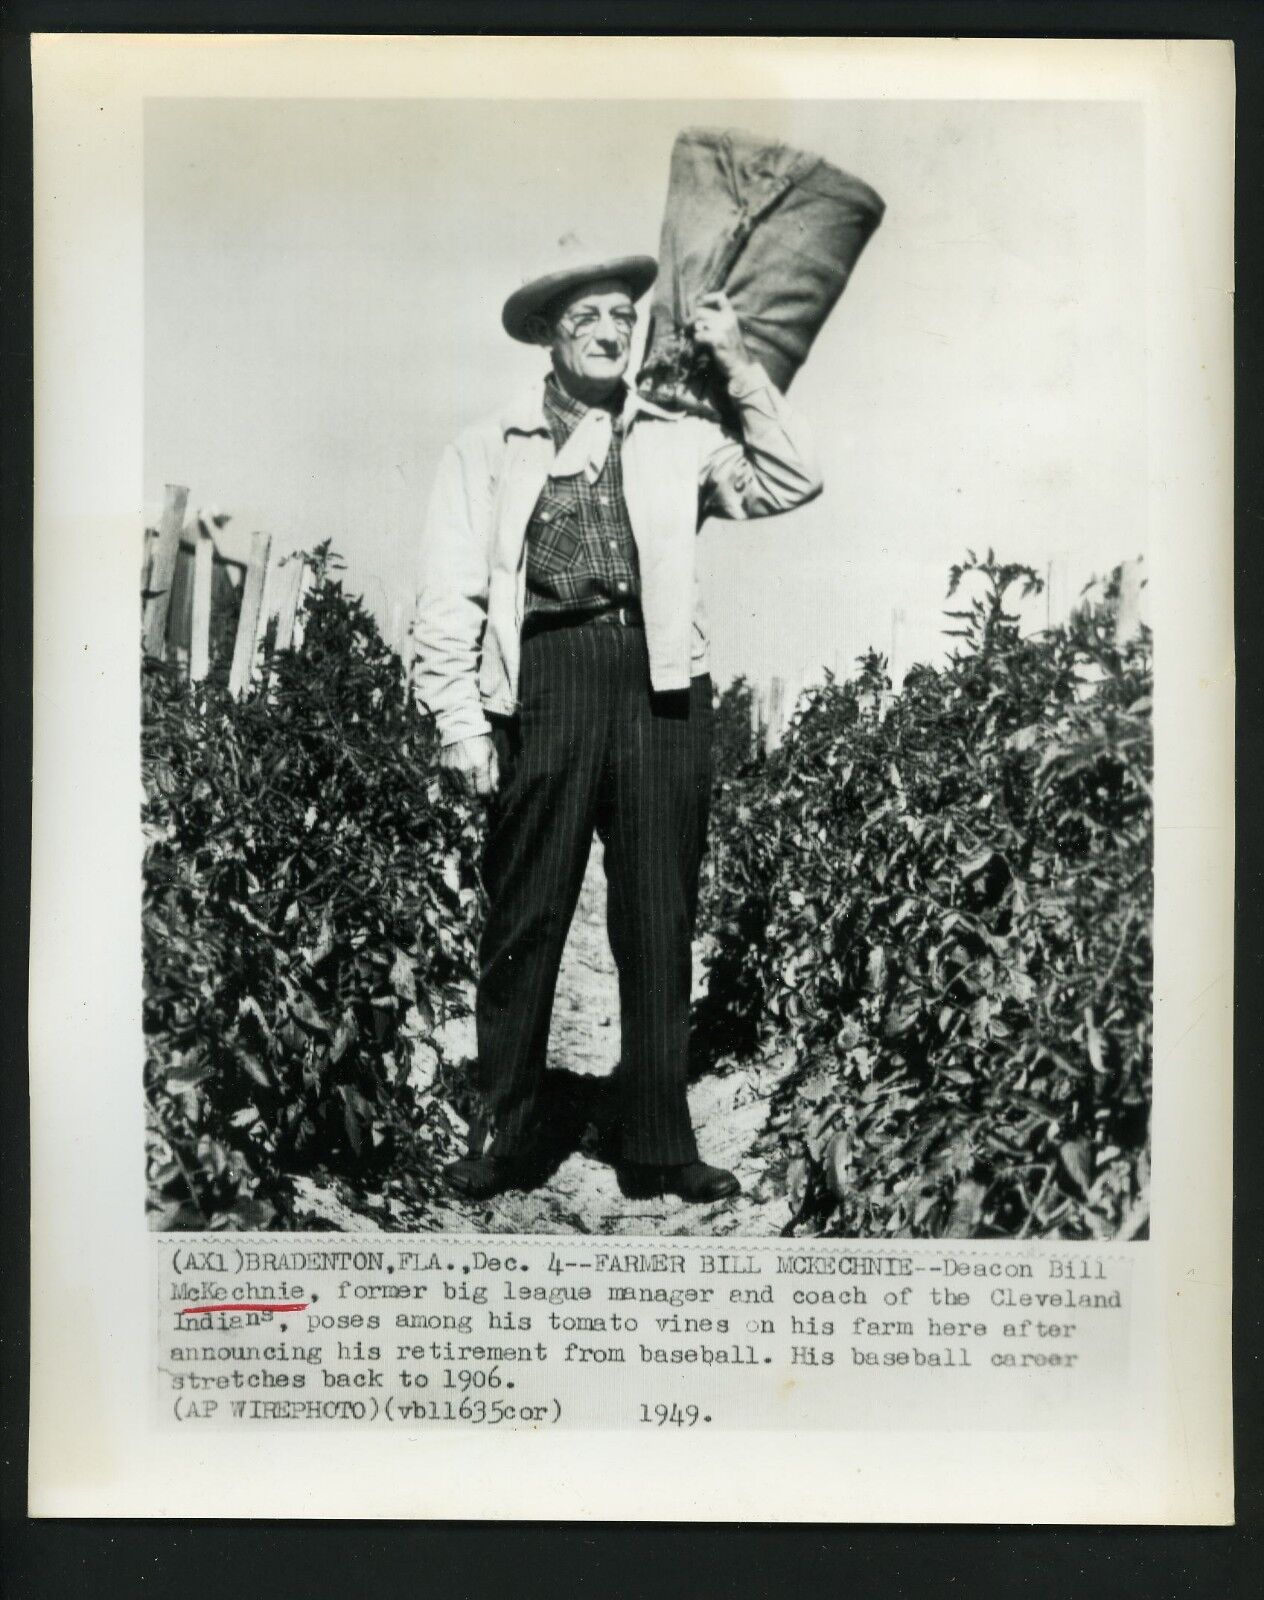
(694,1181)
(481,1177)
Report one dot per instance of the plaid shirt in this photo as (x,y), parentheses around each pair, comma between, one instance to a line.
(581,553)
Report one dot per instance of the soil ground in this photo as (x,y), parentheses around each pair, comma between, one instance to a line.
(730,1107)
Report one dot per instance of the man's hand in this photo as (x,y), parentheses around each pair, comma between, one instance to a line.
(716,328)
(474,762)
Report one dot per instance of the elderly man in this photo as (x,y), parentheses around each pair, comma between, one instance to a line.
(563,652)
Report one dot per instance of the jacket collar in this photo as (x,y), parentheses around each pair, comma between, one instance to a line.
(525,413)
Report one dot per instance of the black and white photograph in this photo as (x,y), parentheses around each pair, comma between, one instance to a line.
(632,815)
(646,668)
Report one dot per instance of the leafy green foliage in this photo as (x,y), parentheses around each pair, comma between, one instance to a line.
(940,900)
(733,724)
(310,895)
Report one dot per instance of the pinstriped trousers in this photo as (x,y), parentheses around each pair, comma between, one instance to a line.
(594,749)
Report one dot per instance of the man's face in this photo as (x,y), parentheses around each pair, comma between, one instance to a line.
(590,335)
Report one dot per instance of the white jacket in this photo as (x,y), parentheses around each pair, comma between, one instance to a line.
(677,470)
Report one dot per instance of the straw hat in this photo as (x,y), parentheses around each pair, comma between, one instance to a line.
(571,266)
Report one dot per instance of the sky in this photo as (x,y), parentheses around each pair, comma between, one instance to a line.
(323,283)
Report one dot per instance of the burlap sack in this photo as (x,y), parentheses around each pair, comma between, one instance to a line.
(777,229)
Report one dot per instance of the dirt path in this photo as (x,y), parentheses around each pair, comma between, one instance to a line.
(730,1116)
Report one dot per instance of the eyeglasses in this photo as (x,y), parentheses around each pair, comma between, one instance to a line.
(624,319)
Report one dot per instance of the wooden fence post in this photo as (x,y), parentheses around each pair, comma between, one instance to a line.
(776,714)
(162,569)
(246,645)
(289,605)
(895,666)
(149,540)
(408,652)
(306,578)
(1128,616)
(895,661)
(200,627)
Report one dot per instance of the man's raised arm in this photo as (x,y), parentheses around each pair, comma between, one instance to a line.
(772,467)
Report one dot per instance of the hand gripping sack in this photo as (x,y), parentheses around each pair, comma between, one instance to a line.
(777,229)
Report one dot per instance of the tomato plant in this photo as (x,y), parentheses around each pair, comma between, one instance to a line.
(940,900)
(310,901)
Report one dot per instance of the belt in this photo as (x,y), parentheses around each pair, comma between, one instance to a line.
(625,616)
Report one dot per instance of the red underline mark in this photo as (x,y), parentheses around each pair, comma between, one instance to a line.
(244,1305)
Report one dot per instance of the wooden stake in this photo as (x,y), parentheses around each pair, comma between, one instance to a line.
(162,569)
(405,644)
(895,665)
(200,629)
(1128,617)
(288,611)
(246,645)
(147,558)
(776,714)
(306,578)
